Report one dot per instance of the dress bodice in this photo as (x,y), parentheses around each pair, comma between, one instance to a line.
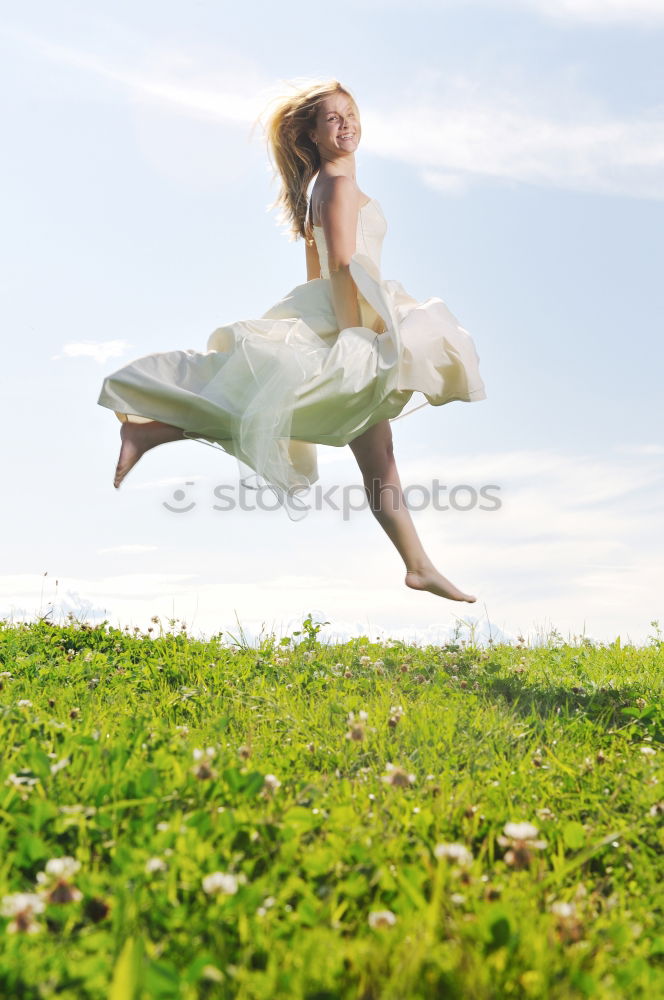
(371,228)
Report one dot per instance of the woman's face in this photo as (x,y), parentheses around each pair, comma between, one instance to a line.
(338,129)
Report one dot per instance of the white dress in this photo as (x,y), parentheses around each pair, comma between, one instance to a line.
(268,390)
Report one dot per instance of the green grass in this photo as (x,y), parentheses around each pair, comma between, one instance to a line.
(106,762)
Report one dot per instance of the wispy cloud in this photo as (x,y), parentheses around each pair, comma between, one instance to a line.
(204,96)
(99,350)
(594,11)
(454,130)
(466,135)
(129,549)
(576,542)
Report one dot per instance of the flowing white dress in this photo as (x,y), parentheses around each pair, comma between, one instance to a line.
(268,390)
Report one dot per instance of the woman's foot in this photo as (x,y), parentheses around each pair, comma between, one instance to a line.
(139,438)
(435,583)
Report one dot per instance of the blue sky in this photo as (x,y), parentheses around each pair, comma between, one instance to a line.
(517,150)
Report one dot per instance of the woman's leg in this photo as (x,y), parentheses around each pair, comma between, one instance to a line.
(375,457)
(139,438)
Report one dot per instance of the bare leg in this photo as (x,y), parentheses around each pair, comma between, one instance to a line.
(139,438)
(375,457)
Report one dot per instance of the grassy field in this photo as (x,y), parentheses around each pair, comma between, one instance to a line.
(187,819)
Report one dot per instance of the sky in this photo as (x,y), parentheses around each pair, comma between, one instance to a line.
(516,148)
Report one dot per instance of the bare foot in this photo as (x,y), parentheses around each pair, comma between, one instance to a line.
(139,438)
(433,581)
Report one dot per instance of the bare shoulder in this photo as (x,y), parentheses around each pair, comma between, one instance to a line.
(333,196)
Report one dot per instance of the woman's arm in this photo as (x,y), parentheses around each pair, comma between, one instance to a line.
(339,213)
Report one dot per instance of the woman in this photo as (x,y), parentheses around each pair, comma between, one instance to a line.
(331,363)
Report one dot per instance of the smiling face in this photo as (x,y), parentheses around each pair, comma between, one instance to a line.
(338,129)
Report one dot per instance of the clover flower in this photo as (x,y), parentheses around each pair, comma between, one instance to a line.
(520,839)
(355,732)
(22,906)
(221,882)
(155,865)
(396,713)
(455,852)
(397,777)
(55,880)
(568,926)
(203,769)
(382,918)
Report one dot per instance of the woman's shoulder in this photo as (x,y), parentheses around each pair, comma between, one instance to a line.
(329,189)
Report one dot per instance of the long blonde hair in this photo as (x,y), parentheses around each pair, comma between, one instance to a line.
(293,153)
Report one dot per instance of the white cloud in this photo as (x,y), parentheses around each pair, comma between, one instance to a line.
(129,549)
(576,543)
(466,135)
(595,11)
(99,350)
(649,448)
(454,130)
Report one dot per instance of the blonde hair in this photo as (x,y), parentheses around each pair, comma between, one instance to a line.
(293,153)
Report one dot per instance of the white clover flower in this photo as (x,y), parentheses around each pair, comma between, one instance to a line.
(272,781)
(364,660)
(382,918)
(22,906)
(397,776)
(59,868)
(455,852)
(155,865)
(378,663)
(520,831)
(200,754)
(220,882)
(21,901)
(564,910)
(24,703)
(520,840)
(648,751)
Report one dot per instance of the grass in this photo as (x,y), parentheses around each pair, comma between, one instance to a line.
(319,785)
